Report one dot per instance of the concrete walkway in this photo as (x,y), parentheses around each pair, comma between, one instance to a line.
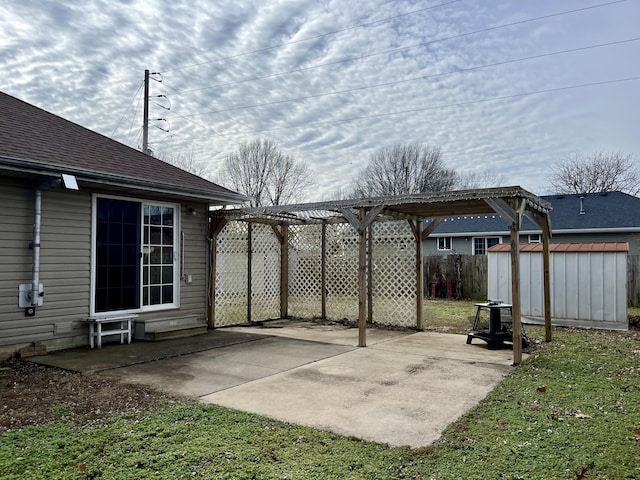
(402,389)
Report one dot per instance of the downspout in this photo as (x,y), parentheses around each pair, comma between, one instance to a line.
(35,276)
(35,295)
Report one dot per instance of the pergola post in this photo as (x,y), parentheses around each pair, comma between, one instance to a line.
(419,278)
(323,272)
(416,228)
(546,234)
(249,262)
(518,208)
(362,277)
(284,271)
(370,274)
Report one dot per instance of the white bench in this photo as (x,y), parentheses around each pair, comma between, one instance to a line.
(97,332)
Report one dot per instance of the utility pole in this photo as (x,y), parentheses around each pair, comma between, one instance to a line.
(145,124)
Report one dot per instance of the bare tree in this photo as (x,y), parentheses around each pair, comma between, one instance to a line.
(596,172)
(261,171)
(188,162)
(468,180)
(404,169)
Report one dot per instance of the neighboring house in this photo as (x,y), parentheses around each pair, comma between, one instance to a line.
(588,217)
(104,228)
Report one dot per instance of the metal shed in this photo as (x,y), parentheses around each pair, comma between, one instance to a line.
(588,283)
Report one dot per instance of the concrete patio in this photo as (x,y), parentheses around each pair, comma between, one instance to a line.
(402,389)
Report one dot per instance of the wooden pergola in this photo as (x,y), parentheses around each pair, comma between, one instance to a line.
(424,212)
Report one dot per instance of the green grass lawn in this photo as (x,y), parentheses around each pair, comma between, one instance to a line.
(570,411)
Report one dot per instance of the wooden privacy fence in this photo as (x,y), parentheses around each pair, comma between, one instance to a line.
(633,280)
(465,276)
(456,276)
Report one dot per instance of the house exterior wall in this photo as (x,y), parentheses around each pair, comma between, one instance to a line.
(463,245)
(64,263)
(65,266)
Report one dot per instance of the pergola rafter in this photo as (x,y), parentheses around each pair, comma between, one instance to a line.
(424,212)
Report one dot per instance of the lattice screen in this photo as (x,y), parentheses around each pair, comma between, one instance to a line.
(231,275)
(305,271)
(393,273)
(394,280)
(265,273)
(342,272)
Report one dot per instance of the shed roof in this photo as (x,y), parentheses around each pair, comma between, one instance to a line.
(566,247)
(34,142)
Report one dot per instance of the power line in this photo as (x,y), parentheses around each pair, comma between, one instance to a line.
(353,27)
(128,107)
(399,49)
(457,104)
(413,79)
(282,143)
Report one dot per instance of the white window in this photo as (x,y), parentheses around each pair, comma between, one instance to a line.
(535,238)
(135,256)
(444,243)
(482,244)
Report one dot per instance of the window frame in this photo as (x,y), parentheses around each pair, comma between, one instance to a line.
(539,240)
(473,243)
(177,210)
(447,240)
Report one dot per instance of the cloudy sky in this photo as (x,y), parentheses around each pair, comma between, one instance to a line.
(502,86)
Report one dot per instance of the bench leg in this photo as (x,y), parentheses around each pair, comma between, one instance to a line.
(91,341)
(129,332)
(99,335)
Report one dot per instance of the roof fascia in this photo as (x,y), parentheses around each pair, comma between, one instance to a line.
(119,181)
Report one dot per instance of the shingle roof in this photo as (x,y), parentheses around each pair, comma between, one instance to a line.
(34,140)
(602,211)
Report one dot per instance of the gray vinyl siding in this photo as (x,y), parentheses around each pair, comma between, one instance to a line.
(65,265)
(193,296)
(64,262)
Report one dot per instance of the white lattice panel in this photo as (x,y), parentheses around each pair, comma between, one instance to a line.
(265,273)
(342,272)
(394,294)
(305,244)
(394,281)
(231,275)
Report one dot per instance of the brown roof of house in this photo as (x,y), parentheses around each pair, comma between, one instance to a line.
(566,247)
(35,141)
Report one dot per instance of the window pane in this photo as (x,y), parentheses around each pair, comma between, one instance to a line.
(167,294)
(167,274)
(167,216)
(167,255)
(154,255)
(167,236)
(154,276)
(492,241)
(155,235)
(155,215)
(154,293)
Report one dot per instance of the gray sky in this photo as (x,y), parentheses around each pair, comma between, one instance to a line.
(331,81)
